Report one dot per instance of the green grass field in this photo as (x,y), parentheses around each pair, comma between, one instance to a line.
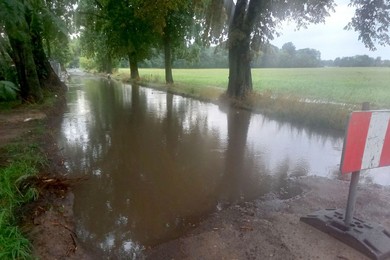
(344,85)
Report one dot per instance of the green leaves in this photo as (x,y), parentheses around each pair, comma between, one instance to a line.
(371,20)
(8,91)
(10,11)
(12,17)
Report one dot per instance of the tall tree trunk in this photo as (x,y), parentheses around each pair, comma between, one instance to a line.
(47,77)
(168,59)
(240,28)
(22,56)
(134,74)
(240,77)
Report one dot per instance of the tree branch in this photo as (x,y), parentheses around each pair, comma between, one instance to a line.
(229,7)
(253,11)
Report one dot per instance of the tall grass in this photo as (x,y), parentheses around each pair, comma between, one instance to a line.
(317,97)
(21,162)
(340,85)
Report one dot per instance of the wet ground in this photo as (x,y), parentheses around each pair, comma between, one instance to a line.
(207,212)
(269,228)
(47,222)
(159,165)
(16,123)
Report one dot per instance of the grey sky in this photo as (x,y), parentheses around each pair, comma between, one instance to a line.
(330,38)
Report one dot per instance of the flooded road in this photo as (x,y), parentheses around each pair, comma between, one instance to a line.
(157,163)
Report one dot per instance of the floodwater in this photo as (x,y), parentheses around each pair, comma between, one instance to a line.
(157,163)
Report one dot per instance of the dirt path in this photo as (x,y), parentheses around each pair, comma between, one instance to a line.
(48,221)
(17,122)
(270,228)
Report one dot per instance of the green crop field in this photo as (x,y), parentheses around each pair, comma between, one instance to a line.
(345,85)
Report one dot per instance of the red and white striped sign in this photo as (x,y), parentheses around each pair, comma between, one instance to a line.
(367,142)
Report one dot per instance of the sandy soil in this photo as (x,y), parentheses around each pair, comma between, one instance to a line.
(267,228)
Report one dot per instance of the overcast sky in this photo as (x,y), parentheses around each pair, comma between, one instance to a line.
(330,38)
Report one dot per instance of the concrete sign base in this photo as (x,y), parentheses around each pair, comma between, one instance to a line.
(371,239)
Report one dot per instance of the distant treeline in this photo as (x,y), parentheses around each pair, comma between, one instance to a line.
(271,57)
(357,61)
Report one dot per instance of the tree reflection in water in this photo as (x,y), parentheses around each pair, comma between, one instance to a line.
(157,163)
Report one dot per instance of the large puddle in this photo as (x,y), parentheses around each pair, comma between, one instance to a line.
(157,163)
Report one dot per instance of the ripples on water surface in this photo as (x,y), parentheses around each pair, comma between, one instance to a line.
(157,162)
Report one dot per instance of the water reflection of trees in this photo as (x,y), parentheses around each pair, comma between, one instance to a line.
(237,182)
(159,162)
(157,176)
(85,126)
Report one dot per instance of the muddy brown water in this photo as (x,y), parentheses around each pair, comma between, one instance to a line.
(158,163)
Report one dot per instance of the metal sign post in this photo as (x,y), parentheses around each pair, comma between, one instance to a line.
(366,146)
(351,198)
(353,186)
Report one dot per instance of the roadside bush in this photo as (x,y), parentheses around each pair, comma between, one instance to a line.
(87,64)
(8,91)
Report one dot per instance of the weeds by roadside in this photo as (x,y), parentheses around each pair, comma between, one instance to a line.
(18,163)
(7,106)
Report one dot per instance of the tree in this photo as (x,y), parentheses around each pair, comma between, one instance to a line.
(177,24)
(355,61)
(24,25)
(253,23)
(268,58)
(289,48)
(7,71)
(119,27)
(307,58)
(371,21)
(288,55)
(171,21)
(16,27)
(93,21)
(45,26)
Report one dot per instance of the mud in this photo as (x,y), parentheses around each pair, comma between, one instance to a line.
(48,222)
(269,228)
(17,123)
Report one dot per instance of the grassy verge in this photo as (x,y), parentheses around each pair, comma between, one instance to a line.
(20,161)
(319,97)
(7,106)
(337,85)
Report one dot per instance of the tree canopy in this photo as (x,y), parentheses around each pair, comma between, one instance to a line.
(133,29)
(31,32)
(25,26)
(244,26)
(371,21)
